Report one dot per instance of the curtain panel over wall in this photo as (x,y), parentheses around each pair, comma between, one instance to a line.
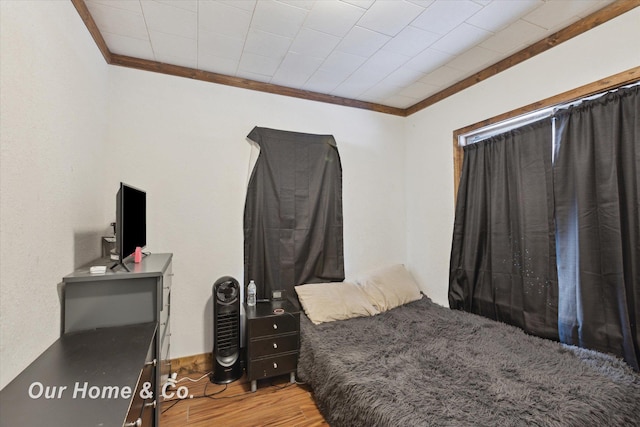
(293,227)
(597,186)
(503,253)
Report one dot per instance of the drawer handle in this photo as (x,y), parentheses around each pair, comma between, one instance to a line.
(153,363)
(275,326)
(275,365)
(152,404)
(136,423)
(275,345)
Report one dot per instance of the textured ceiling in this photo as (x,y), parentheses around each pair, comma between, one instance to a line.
(389,52)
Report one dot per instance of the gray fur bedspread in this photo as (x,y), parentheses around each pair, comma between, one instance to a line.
(425,365)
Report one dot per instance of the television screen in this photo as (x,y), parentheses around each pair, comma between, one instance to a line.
(131,221)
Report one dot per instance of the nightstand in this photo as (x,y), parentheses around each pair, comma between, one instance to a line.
(273,340)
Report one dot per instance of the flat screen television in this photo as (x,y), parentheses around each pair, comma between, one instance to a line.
(131,220)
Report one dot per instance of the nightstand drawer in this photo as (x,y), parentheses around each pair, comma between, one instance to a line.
(274,345)
(272,366)
(272,325)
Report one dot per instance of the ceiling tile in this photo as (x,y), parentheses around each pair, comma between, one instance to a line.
(389,17)
(554,14)
(247,5)
(428,60)
(385,62)
(340,62)
(411,41)
(129,46)
(182,61)
(314,43)
(423,3)
(399,101)
(164,45)
(258,64)
(218,45)
(267,44)
(324,80)
(278,18)
(381,91)
(296,69)
(443,76)
(365,4)
(514,37)
(460,39)
(118,21)
(419,90)
(443,16)
(403,77)
(357,83)
(223,19)
(163,18)
(500,13)
(131,6)
(587,7)
(218,64)
(253,76)
(475,59)
(363,42)
(333,17)
(304,4)
(191,5)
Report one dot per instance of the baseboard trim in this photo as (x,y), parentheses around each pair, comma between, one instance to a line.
(192,364)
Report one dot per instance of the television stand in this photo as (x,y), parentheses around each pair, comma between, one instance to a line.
(124,265)
(120,263)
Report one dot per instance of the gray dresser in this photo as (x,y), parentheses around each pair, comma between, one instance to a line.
(120,297)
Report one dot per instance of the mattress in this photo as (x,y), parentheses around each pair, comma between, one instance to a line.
(422,364)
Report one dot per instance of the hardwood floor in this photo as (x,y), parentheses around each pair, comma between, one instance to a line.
(276,403)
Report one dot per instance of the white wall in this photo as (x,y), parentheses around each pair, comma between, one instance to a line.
(184,142)
(606,50)
(52,132)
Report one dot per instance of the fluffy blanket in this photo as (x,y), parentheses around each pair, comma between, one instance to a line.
(425,365)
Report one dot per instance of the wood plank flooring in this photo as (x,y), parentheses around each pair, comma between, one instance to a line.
(276,403)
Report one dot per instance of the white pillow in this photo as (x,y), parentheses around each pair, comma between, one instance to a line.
(390,287)
(326,302)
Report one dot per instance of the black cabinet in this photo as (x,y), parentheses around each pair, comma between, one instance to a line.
(100,377)
(273,340)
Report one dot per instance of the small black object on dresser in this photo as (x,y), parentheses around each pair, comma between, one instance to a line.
(273,340)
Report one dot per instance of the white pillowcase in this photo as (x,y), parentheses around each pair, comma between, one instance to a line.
(390,287)
(326,302)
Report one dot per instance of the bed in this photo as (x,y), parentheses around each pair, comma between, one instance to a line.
(421,364)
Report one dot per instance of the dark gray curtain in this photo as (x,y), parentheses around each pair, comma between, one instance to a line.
(293,212)
(596,178)
(503,252)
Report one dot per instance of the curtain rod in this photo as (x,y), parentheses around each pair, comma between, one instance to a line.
(481,134)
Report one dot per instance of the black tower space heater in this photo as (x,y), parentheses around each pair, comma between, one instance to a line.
(226,331)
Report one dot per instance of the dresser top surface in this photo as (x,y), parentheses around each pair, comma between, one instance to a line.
(152,265)
(265,309)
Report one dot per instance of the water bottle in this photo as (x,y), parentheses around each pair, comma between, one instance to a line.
(251,293)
